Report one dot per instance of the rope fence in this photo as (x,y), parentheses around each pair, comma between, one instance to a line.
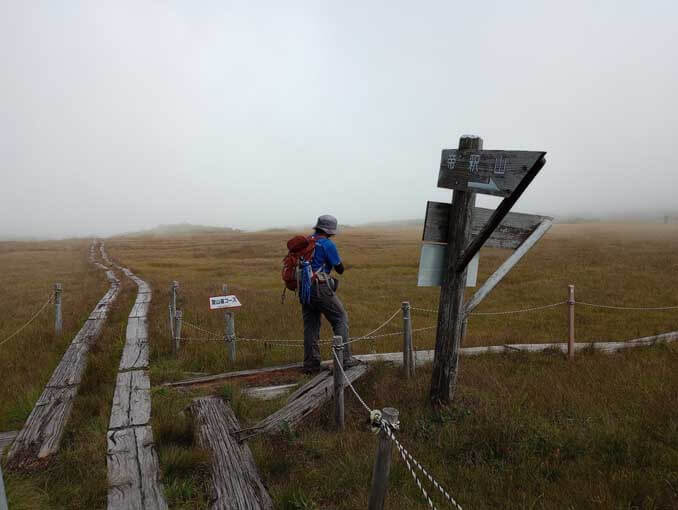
(35,316)
(382,425)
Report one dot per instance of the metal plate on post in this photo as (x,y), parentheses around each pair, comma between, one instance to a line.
(490,172)
(432,266)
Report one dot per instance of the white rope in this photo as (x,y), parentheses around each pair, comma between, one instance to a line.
(403,452)
(367,408)
(195,326)
(368,335)
(407,457)
(627,307)
(49,300)
(522,310)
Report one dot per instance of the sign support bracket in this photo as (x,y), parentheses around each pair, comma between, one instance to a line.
(498,215)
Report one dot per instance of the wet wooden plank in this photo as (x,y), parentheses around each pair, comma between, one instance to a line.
(235,480)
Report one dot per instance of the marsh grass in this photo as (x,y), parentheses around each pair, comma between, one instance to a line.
(524,430)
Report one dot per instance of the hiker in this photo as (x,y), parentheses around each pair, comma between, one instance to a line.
(313,258)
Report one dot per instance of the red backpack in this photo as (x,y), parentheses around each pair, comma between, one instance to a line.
(300,247)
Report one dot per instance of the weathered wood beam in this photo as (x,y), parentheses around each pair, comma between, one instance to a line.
(6,439)
(236,483)
(508,264)
(234,375)
(299,408)
(498,215)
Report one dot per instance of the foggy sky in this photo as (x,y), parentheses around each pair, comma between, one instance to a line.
(117,116)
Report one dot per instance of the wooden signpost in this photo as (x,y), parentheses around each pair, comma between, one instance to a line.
(467,170)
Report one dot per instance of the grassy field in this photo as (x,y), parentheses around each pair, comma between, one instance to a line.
(524,431)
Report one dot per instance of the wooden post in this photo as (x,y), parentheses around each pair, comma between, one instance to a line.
(408,355)
(338,347)
(450,309)
(58,322)
(229,328)
(382,464)
(178,317)
(570,303)
(174,287)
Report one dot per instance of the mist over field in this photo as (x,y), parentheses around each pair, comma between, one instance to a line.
(120,116)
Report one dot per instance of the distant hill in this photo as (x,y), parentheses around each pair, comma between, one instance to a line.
(182,229)
(391,224)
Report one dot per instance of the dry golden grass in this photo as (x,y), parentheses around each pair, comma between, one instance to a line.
(524,431)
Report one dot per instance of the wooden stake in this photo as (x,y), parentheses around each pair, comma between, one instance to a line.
(174,287)
(58,322)
(408,355)
(570,303)
(337,345)
(382,464)
(229,328)
(450,309)
(178,317)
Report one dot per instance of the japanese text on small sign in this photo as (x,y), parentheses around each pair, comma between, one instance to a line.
(224,302)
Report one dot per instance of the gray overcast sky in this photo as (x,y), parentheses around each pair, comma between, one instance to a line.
(118,116)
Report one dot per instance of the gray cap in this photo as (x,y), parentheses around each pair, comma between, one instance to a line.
(327,223)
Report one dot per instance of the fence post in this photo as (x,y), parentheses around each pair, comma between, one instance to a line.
(382,464)
(58,322)
(338,359)
(570,303)
(173,306)
(229,328)
(408,355)
(178,317)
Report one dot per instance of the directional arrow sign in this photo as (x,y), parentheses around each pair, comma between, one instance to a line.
(490,172)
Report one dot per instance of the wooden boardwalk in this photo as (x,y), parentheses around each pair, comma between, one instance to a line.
(41,435)
(132,461)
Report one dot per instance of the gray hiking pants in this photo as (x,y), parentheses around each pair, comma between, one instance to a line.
(323,302)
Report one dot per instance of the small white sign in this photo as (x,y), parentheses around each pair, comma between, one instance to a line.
(224,302)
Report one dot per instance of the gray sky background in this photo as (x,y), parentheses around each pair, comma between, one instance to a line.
(118,116)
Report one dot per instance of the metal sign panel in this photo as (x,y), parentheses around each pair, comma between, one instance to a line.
(490,172)
(432,266)
(511,232)
(224,302)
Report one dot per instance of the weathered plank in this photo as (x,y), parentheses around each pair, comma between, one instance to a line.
(295,411)
(234,375)
(6,439)
(268,392)
(134,354)
(133,471)
(491,172)
(508,264)
(131,400)
(41,435)
(236,484)
(511,232)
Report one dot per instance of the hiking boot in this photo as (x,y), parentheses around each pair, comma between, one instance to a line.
(351,362)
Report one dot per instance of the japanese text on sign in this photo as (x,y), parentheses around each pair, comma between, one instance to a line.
(224,302)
